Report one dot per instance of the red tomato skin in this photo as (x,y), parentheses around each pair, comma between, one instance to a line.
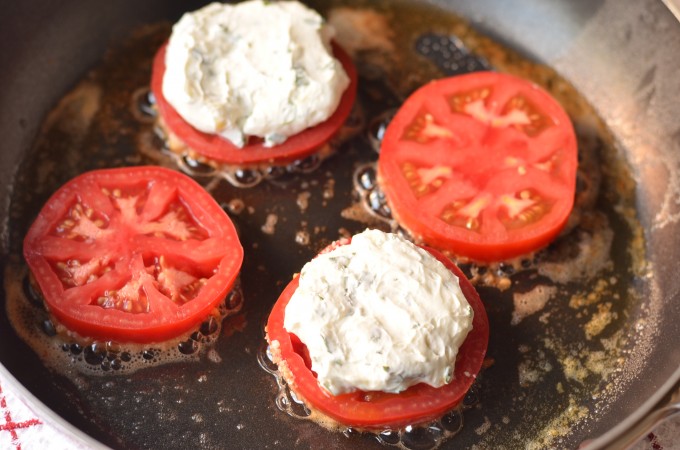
(417,404)
(72,307)
(215,148)
(405,206)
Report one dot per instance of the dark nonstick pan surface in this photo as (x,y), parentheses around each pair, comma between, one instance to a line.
(548,375)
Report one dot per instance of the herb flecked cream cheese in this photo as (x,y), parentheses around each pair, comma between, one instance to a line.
(253,69)
(379,314)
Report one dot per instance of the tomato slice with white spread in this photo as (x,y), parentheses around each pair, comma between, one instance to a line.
(482,165)
(374,409)
(139,254)
(216,148)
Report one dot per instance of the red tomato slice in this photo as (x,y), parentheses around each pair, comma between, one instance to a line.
(482,165)
(138,254)
(379,410)
(216,148)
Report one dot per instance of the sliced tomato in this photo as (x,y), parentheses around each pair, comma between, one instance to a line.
(381,410)
(216,148)
(139,254)
(482,165)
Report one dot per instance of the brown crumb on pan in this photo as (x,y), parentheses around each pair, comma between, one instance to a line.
(599,320)
(528,303)
(303,200)
(269,226)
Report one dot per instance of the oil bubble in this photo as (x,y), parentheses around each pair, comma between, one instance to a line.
(429,435)
(72,355)
(143,105)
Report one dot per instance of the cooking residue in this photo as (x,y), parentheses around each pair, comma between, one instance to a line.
(236,206)
(528,303)
(303,200)
(302,237)
(269,226)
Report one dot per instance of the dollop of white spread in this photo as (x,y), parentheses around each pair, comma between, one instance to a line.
(379,314)
(253,69)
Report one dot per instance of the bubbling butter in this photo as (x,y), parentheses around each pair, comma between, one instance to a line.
(379,314)
(253,69)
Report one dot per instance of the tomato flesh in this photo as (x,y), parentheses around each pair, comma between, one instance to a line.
(482,165)
(139,254)
(381,410)
(218,149)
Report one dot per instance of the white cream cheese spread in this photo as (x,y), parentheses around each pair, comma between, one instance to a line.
(256,68)
(379,314)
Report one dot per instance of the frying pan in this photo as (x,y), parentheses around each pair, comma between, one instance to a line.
(622,56)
